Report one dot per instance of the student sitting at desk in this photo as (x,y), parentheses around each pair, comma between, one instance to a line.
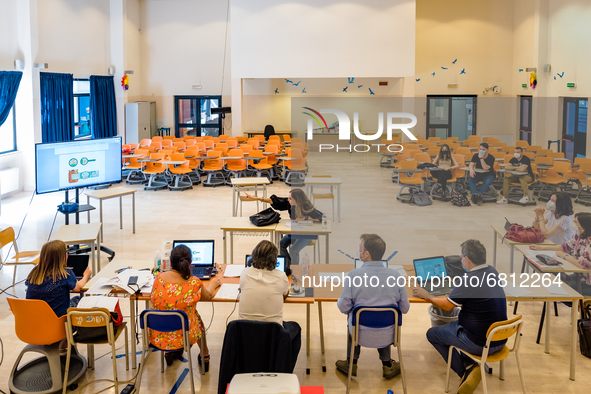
(178,290)
(445,163)
(263,290)
(371,251)
(51,282)
(555,222)
(300,208)
(519,163)
(481,307)
(481,161)
(576,251)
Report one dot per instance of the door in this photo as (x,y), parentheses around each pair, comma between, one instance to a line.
(525,111)
(574,127)
(193,116)
(451,116)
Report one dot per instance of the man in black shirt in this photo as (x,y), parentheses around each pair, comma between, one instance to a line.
(484,163)
(482,305)
(519,163)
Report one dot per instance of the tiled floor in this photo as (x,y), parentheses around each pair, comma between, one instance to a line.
(368,205)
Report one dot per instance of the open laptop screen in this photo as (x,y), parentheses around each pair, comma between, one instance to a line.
(280,262)
(201,252)
(430,267)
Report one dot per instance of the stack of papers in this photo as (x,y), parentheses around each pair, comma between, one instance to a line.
(144,278)
(233,270)
(99,302)
(228,291)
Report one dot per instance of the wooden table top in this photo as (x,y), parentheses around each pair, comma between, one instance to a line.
(76,233)
(110,192)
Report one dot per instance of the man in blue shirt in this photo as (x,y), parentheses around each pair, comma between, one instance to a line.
(482,305)
(372,285)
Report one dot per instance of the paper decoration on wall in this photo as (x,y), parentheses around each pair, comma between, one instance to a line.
(521,70)
(533,80)
(454,62)
(433,74)
(555,77)
(444,68)
(359,87)
(276,90)
(296,84)
(304,90)
(350,80)
(345,89)
(125,82)
(560,75)
(418,79)
(371,92)
(463,71)
(288,81)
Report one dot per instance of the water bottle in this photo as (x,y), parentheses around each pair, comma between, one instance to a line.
(324,221)
(157,262)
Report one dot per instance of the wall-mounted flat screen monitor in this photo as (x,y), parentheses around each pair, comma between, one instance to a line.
(75,164)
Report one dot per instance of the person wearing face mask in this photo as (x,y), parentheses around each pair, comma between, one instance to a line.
(445,163)
(576,251)
(371,250)
(521,163)
(482,161)
(554,221)
(481,307)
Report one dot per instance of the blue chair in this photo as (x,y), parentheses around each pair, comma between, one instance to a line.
(166,321)
(376,317)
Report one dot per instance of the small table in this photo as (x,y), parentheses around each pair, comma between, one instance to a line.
(314,229)
(77,234)
(499,232)
(247,184)
(112,192)
(235,224)
(310,182)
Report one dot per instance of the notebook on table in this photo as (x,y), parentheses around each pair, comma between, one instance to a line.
(429,267)
(202,257)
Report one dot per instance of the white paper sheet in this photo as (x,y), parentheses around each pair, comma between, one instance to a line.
(228,291)
(98,302)
(100,287)
(516,291)
(555,289)
(233,270)
(400,269)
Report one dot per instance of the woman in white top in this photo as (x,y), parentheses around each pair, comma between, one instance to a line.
(445,163)
(263,290)
(555,220)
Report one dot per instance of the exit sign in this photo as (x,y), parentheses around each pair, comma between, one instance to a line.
(524,85)
(571,85)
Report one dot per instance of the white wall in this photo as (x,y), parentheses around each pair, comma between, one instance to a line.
(8,44)
(331,38)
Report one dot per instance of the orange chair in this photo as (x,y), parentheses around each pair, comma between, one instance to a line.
(167,143)
(206,137)
(168,137)
(180,172)
(19,258)
(261,138)
(214,169)
(260,166)
(178,140)
(241,139)
(216,140)
(522,143)
(155,147)
(199,139)
(190,142)
(223,148)
(286,137)
(156,170)
(246,148)
(37,325)
(208,144)
(434,139)
(157,139)
(237,167)
(272,159)
(254,142)
(167,152)
(456,173)
(136,167)
(223,138)
(409,180)
(556,155)
(400,157)
(584,194)
(133,147)
(192,153)
(296,167)
(179,146)
(145,142)
(188,137)
(232,143)
(554,178)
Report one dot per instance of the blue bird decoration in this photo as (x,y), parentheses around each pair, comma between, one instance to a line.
(454,62)
(276,91)
(444,68)
(463,71)
(288,81)
(433,74)
(371,92)
(418,79)
(359,87)
(350,80)
(521,70)
(560,75)
(555,77)
(296,84)
(345,89)
(304,90)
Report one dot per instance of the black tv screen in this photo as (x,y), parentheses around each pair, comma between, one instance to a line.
(75,164)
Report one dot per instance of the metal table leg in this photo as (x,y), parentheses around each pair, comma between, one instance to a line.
(133,332)
(494,248)
(573,340)
(547,339)
(321,336)
(307,339)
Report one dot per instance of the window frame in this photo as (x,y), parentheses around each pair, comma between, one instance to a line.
(198,126)
(13,110)
(77,124)
(525,131)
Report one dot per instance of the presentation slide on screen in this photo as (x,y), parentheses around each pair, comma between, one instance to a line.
(68,165)
(427,269)
(201,252)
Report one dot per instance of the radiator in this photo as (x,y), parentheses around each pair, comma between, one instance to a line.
(9,179)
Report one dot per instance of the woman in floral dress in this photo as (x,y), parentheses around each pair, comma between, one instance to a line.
(178,290)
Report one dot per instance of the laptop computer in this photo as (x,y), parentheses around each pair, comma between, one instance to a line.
(507,224)
(280,262)
(202,257)
(427,268)
(78,263)
(359,263)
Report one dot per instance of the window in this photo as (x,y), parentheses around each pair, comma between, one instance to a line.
(8,133)
(574,127)
(525,111)
(194,117)
(451,116)
(81,108)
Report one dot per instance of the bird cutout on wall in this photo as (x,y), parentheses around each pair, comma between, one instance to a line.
(276,90)
(359,87)
(418,79)
(350,80)
(345,89)
(454,62)
(463,71)
(521,70)
(296,84)
(371,92)
(433,74)
(304,90)
(444,68)
(555,77)
(560,75)
(288,81)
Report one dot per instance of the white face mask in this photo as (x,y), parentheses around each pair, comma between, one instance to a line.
(550,205)
(517,155)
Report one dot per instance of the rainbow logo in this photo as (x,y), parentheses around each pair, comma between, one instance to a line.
(316,116)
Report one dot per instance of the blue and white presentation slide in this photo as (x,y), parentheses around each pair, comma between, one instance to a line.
(201,252)
(426,269)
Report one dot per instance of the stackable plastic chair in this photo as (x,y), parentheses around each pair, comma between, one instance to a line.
(156,170)
(179,146)
(194,163)
(167,143)
(272,159)
(135,167)
(412,182)
(181,179)
(235,168)
(262,165)
(145,142)
(223,137)
(19,258)
(214,168)
(554,179)
(157,139)
(294,168)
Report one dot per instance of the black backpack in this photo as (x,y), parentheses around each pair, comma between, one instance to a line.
(419,198)
(453,266)
(265,218)
(584,330)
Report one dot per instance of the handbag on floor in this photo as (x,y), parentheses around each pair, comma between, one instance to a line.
(584,331)
(420,198)
(265,218)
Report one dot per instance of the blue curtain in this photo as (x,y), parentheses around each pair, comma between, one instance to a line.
(9,81)
(103,111)
(57,107)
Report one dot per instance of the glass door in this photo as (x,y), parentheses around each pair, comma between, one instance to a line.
(525,111)
(451,116)
(574,127)
(193,116)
